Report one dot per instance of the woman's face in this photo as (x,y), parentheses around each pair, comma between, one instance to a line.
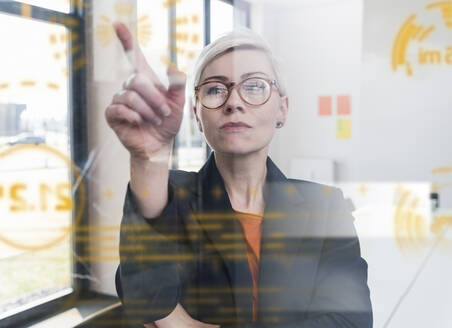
(235,66)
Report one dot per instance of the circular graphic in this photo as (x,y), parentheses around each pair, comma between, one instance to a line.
(36,202)
(421,44)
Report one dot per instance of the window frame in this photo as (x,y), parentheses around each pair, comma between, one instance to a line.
(236,4)
(74,21)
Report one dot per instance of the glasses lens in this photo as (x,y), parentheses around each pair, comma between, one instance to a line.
(255,91)
(213,94)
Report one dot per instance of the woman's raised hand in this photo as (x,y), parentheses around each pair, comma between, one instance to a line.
(144,114)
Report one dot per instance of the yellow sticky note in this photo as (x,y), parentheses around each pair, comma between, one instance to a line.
(344,129)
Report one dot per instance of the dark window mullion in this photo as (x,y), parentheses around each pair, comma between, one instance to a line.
(78,140)
(70,21)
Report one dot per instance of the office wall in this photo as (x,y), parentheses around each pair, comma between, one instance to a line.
(399,135)
(319,47)
(399,124)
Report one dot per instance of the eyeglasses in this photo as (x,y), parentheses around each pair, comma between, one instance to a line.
(253,91)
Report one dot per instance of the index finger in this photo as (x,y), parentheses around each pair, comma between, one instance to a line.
(134,53)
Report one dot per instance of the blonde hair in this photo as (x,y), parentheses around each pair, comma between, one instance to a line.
(240,38)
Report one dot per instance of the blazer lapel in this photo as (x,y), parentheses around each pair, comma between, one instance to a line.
(286,216)
(218,221)
(289,250)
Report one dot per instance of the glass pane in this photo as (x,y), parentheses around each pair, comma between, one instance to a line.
(189,37)
(35,184)
(222,18)
(152,34)
(189,40)
(57,5)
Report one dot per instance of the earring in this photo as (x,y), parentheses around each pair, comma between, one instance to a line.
(279,124)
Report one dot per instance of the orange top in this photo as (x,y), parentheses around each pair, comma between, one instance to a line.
(251,224)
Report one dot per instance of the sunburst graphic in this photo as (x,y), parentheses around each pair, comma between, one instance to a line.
(442,170)
(144,33)
(441,220)
(170,3)
(412,230)
(104,30)
(439,173)
(440,223)
(124,9)
(410,227)
(4,85)
(410,31)
(59,48)
(189,41)
(75,49)
(29,83)
(446,10)
(59,42)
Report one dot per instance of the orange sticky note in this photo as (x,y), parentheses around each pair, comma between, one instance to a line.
(344,129)
(325,105)
(343,105)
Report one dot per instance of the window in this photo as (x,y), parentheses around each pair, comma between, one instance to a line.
(222,18)
(189,25)
(196,23)
(153,34)
(41,197)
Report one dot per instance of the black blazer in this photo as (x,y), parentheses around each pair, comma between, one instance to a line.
(311,271)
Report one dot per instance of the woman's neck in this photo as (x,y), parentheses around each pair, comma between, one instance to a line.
(244,178)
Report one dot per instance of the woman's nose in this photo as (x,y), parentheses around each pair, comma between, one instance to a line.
(234,101)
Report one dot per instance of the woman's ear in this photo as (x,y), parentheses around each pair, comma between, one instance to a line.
(197,119)
(283,109)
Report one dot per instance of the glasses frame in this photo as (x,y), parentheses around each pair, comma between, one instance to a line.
(232,85)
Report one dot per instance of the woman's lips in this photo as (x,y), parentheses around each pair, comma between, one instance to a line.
(234,126)
(231,128)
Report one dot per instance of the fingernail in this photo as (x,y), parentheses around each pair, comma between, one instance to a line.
(157,121)
(166,110)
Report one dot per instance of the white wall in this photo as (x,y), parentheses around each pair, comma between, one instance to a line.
(319,46)
(399,135)
(401,121)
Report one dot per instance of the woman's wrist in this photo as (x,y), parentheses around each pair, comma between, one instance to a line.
(161,156)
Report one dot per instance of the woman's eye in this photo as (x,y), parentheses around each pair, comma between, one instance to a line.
(254,87)
(215,91)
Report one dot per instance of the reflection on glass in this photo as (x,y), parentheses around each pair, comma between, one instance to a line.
(189,37)
(35,184)
(152,34)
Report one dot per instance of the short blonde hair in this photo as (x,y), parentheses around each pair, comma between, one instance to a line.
(240,38)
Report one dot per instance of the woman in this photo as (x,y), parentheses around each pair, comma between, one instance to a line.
(237,243)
